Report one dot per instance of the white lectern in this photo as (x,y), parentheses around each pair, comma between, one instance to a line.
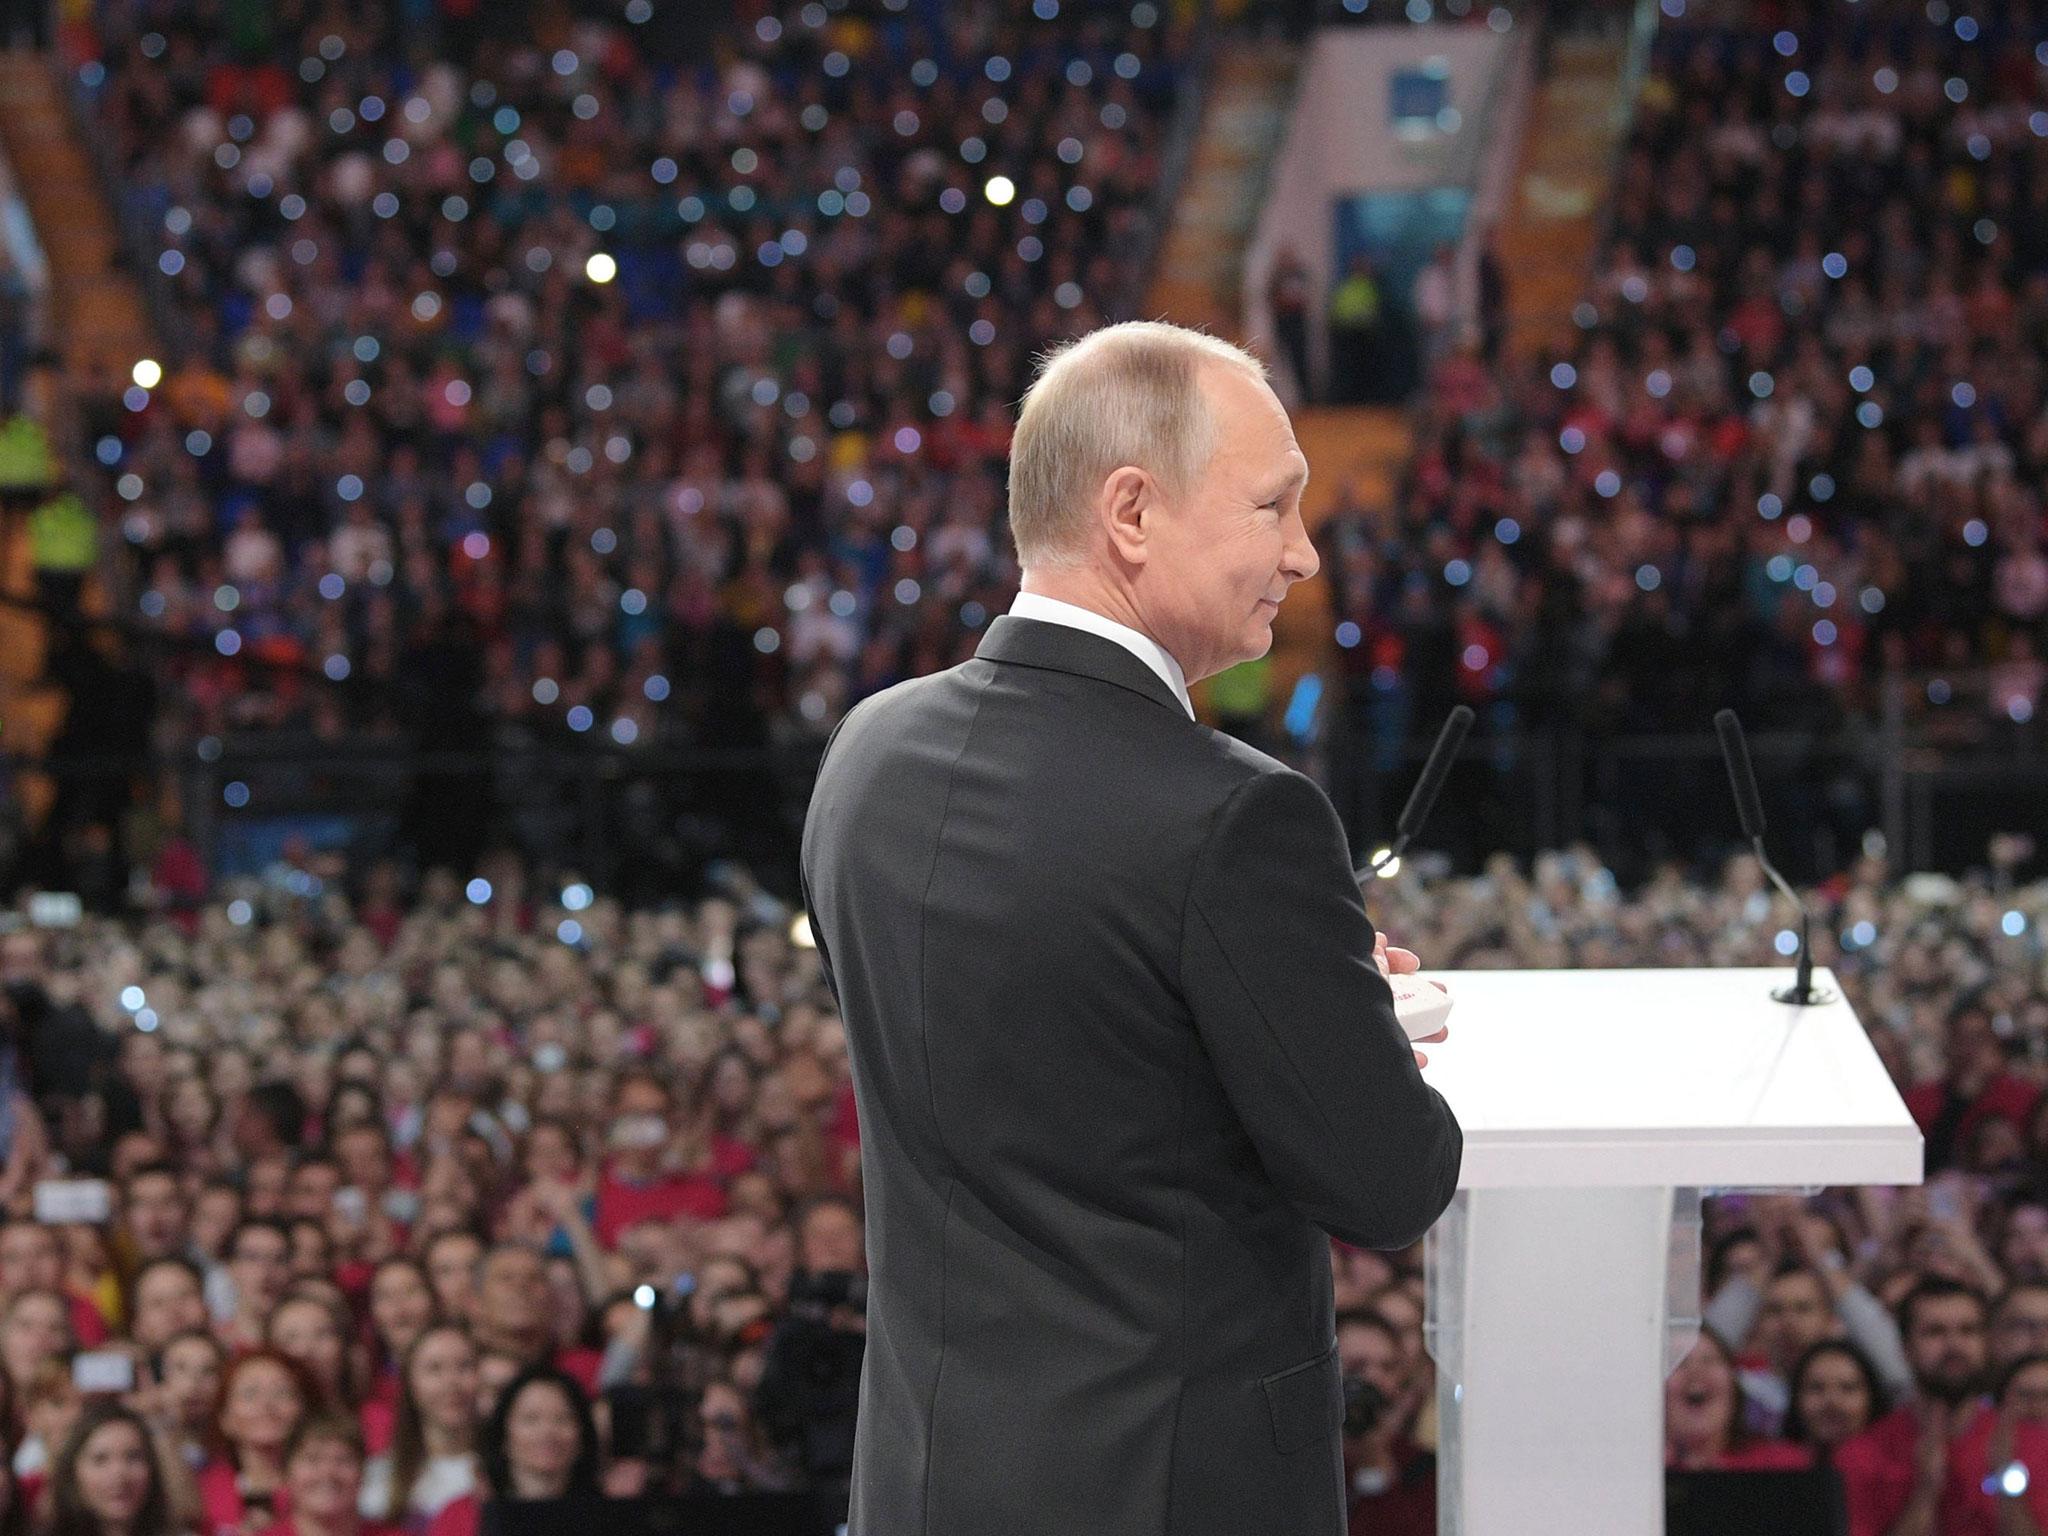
(1564,1278)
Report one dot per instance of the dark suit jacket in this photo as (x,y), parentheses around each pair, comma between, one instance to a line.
(1122,1060)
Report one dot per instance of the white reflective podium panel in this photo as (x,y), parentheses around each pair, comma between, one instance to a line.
(1564,1279)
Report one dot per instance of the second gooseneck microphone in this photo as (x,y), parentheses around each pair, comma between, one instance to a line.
(1423,798)
(1749,811)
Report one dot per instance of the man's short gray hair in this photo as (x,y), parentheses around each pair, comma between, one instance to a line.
(1129,393)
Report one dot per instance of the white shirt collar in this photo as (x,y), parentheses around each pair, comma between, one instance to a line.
(1036,605)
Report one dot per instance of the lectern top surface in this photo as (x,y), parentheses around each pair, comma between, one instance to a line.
(1699,1075)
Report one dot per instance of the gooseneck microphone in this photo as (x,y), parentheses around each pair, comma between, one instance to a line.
(1423,799)
(1749,811)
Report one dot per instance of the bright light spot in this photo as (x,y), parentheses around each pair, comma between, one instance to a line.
(800,933)
(569,931)
(1787,942)
(2013,924)
(577,897)
(478,891)
(132,998)
(148,373)
(1000,190)
(601,268)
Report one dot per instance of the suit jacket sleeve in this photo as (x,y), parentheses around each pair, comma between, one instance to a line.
(803,863)
(1277,970)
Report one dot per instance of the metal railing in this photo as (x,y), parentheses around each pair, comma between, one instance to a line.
(1937,777)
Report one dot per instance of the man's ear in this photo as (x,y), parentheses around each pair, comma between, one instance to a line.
(1128,509)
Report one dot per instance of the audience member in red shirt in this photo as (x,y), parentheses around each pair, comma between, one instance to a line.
(1835,1396)
(1901,1464)
(1975,1086)
(635,1185)
(323,1471)
(32,1259)
(264,1397)
(515,1317)
(1703,1423)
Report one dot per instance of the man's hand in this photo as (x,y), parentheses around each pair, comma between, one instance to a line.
(1930,1450)
(1403,961)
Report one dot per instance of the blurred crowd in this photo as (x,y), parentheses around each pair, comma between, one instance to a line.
(352,1204)
(544,367)
(342,1190)
(669,377)
(1800,439)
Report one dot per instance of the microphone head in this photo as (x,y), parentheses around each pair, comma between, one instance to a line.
(1741,777)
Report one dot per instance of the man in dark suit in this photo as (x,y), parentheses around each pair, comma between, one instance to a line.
(1122,1041)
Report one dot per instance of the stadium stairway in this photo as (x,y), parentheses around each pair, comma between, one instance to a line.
(1576,123)
(1577,119)
(30,711)
(1198,282)
(100,323)
(99,327)
(1244,116)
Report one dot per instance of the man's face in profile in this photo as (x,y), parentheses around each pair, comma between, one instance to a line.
(1224,557)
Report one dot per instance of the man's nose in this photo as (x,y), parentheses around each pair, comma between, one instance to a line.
(1302,561)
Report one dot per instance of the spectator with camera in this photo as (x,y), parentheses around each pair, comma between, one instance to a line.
(809,1393)
(1390,1481)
